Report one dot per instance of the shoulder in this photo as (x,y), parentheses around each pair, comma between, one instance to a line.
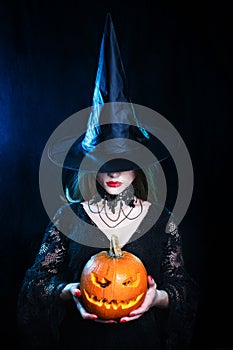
(66,207)
(145,204)
(165,218)
(67,216)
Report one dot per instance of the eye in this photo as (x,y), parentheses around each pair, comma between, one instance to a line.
(132,282)
(103,282)
(127,282)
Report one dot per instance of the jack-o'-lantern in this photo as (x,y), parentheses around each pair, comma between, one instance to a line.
(113,283)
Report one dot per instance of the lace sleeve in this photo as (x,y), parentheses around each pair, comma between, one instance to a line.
(181,288)
(40,309)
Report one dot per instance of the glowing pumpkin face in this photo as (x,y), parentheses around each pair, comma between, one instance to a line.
(113,284)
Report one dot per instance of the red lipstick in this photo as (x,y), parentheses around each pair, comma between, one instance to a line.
(114,183)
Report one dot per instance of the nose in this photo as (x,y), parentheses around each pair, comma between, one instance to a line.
(114,174)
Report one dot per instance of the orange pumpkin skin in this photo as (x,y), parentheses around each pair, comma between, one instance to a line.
(113,286)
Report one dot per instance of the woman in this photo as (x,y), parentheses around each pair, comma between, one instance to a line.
(120,199)
(50,312)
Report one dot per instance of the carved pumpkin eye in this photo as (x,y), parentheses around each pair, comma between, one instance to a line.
(102,283)
(132,282)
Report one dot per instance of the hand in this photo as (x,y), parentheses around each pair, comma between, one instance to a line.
(154,297)
(69,291)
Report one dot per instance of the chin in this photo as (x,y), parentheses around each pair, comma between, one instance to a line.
(114,190)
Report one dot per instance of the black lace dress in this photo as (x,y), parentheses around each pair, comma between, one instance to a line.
(47,322)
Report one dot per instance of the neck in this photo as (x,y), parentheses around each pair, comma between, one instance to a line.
(126,197)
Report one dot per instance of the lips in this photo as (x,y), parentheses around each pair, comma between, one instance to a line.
(114,183)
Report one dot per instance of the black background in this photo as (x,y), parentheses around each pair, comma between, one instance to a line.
(178,61)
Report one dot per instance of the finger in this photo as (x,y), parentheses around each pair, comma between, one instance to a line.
(137,313)
(76,292)
(151,281)
(140,311)
(85,315)
(129,318)
(106,321)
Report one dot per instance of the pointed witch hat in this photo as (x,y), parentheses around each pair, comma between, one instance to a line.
(114,139)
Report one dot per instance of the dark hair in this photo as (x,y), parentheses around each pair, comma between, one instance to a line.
(81,186)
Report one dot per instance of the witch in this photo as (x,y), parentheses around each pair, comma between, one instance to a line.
(111,194)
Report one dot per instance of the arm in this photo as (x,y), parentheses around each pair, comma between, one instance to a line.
(181,289)
(175,299)
(40,308)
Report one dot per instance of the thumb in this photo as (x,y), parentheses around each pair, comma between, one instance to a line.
(151,281)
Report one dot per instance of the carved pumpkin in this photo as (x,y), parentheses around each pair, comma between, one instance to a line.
(113,283)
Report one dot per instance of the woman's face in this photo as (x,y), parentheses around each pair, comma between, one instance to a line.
(116,182)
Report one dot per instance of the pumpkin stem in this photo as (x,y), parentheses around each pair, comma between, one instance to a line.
(115,249)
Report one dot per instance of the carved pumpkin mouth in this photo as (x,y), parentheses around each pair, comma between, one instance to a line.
(114,304)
